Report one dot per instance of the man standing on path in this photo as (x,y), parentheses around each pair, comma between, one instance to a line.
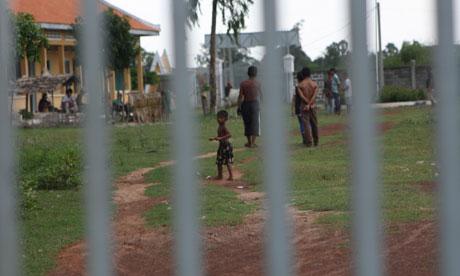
(249,106)
(336,91)
(308,90)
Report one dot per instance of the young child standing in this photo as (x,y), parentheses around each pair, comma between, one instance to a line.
(225,150)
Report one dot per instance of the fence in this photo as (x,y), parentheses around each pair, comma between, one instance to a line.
(366,186)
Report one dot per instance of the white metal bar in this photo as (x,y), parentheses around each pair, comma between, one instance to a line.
(366,220)
(9,261)
(97,184)
(278,249)
(446,68)
(186,226)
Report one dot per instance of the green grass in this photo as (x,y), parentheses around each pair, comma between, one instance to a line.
(219,206)
(320,178)
(56,224)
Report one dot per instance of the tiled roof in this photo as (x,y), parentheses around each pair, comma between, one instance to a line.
(64,12)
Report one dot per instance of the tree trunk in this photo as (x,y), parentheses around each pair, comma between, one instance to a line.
(212,65)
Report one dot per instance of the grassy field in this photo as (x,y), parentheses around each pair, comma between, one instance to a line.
(319,178)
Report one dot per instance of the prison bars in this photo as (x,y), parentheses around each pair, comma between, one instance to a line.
(9,251)
(186,207)
(365,191)
(448,130)
(277,232)
(97,183)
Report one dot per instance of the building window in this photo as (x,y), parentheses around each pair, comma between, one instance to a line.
(48,65)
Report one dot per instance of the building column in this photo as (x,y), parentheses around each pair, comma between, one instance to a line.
(140,73)
(61,52)
(44,61)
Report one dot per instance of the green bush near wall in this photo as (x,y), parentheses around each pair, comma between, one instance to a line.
(401,94)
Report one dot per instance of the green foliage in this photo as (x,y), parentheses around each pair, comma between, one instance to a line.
(151,78)
(30,38)
(26,115)
(120,47)
(50,167)
(401,94)
(415,51)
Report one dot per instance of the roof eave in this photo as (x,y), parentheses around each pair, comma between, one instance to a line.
(144,32)
(66,27)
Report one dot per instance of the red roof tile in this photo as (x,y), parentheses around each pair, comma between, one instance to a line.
(65,11)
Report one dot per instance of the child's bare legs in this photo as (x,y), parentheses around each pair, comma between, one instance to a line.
(230,172)
(219,173)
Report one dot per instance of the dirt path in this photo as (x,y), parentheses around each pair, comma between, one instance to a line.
(238,250)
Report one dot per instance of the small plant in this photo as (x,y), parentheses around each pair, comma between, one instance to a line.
(26,115)
(401,94)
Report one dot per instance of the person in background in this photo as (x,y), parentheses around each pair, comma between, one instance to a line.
(328,99)
(308,90)
(69,105)
(227,91)
(44,105)
(225,150)
(249,106)
(430,89)
(336,91)
(296,106)
(348,92)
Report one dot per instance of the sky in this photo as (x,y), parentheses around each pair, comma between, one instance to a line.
(325,21)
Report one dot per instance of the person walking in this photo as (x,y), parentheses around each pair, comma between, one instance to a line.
(308,90)
(348,93)
(296,106)
(249,106)
(336,91)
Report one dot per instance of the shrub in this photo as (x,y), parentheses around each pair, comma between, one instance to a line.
(56,167)
(26,115)
(401,94)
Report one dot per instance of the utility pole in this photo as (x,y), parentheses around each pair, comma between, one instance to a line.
(380,53)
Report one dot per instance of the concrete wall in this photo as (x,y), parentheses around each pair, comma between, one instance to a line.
(402,76)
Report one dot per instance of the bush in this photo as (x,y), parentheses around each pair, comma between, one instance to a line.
(401,94)
(26,115)
(56,167)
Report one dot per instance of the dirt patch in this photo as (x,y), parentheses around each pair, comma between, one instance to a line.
(239,250)
(331,130)
(427,186)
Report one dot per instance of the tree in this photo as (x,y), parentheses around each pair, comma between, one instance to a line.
(120,47)
(390,50)
(147,59)
(30,38)
(415,51)
(233,14)
(335,53)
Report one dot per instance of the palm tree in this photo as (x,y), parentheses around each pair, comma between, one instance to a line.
(233,13)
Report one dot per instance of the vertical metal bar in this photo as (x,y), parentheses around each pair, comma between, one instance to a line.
(186,226)
(448,136)
(366,220)
(97,188)
(9,261)
(274,122)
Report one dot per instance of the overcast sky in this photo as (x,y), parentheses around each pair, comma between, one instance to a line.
(326,21)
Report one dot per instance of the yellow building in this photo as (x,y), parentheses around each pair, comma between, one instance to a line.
(56,18)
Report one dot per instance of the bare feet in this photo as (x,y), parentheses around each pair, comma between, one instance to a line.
(248,145)
(230,179)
